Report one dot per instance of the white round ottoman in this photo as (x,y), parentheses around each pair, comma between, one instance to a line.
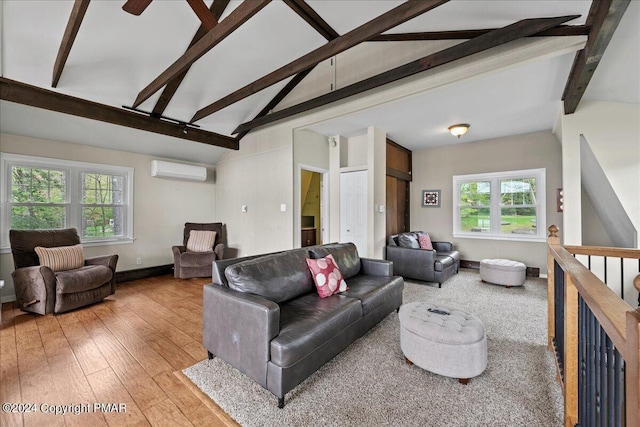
(503,272)
(453,344)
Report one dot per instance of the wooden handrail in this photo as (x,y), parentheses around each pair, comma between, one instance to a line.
(604,251)
(609,309)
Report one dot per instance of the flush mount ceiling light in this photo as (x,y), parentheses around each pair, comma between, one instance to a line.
(459,130)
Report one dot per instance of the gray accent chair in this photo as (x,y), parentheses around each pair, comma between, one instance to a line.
(41,290)
(197,264)
(411,262)
(263,315)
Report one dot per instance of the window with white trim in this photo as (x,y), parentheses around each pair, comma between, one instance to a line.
(502,205)
(40,193)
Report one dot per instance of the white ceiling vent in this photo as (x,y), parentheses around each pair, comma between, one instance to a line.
(163,169)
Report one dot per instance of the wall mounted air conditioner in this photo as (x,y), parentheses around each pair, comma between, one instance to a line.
(164,169)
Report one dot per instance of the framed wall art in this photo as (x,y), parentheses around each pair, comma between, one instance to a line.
(430,198)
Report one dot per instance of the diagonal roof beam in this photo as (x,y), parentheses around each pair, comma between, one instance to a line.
(320,25)
(606,18)
(21,93)
(486,41)
(216,9)
(70,33)
(382,23)
(561,30)
(239,16)
(307,13)
(204,14)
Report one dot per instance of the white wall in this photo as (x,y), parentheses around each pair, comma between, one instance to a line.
(260,176)
(434,168)
(613,133)
(161,206)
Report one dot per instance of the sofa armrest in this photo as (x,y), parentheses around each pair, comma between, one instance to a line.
(376,267)
(413,263)
(107,260)
(219,250)
(442,246)
(238,327)
(35,288)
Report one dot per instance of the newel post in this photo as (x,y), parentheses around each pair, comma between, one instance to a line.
(553,239)
(632,368)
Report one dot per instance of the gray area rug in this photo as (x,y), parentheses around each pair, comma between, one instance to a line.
(370,384)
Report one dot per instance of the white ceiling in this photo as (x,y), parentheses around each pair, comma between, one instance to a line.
(116,54)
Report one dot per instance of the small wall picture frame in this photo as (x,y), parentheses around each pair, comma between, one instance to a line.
(430,198)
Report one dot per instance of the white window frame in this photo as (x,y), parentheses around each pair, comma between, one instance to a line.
(495,206)
(73,170)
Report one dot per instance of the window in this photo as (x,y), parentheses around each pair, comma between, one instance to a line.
(503,205)
(40,193)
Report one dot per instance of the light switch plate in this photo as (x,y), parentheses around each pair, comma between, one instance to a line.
(243,208)
(283,207)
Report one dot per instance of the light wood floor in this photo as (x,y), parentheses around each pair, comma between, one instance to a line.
(129,349)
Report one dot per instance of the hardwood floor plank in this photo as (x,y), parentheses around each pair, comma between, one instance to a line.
(166,414)
(68,377)
(9,375)
(222,418)
(124,350)
(108,388)
(36,382)
(146,356)
(136,380)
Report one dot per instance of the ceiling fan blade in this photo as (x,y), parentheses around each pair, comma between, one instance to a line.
(136,7)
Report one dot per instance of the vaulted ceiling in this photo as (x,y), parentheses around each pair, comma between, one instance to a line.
(217,69)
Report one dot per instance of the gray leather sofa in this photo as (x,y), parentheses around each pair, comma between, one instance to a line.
(263,315)
(411,262)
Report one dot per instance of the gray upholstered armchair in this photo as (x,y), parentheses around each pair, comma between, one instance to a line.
(188,264)
(411,262)
(40,289)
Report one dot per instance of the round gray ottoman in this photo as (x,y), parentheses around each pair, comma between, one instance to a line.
(451,343)
(503,272)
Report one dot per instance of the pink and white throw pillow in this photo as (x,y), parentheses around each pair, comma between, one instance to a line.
(425,241)
(327,276)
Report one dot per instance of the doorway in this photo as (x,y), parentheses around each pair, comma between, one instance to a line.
(313,208)
(353,210)
(398,188)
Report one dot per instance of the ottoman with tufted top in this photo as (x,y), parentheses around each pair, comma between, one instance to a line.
(443,340)
(503,272)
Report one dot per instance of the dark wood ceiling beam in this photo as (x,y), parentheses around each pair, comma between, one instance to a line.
(307,13)
(396,16)
(203,13)
(21,93)
(279,97)
(73,26)
(606,18)
(562,30)
(216,9)
(495,38)
(135,7)
(239,16)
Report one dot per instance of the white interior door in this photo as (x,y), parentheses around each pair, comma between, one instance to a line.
(353,209)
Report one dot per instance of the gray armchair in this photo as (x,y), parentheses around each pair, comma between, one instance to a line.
(197,264)
(411,262)
(41,290)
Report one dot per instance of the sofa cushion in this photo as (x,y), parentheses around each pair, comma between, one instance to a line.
(201,241)
(373,291)
(279,277)
(61,258)
(82,279)
(308,322)
(326,275)
(408,240)
(345,255)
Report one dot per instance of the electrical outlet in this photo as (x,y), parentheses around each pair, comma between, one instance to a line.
(139,261)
